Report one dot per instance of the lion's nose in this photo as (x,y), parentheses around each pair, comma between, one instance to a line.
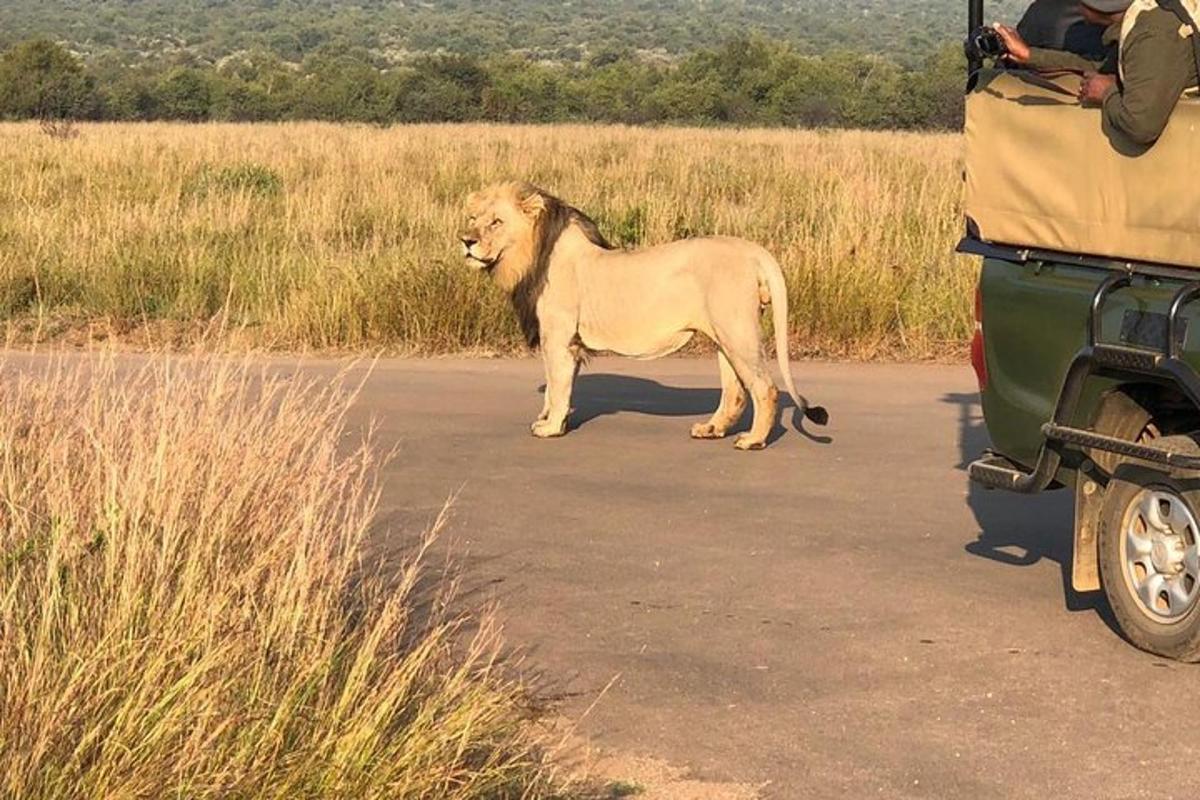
(468,242)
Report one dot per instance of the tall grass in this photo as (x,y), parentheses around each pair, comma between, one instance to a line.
(186,611)
(311,235)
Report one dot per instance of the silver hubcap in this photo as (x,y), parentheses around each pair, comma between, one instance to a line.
(1161,553)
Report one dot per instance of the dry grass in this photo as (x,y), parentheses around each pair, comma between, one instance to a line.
(185,610)
(329,236)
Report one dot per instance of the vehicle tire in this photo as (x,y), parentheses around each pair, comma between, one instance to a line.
(1150,557)
(1123,417)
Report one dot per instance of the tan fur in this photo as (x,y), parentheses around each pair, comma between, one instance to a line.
(642,303)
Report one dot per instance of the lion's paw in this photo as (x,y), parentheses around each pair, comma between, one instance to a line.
(706,430)
(544,429)
(747,442)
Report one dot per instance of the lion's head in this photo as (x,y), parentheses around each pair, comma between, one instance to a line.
(501,229)
(510,232)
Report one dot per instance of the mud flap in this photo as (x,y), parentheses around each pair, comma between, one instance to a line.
(1085,567)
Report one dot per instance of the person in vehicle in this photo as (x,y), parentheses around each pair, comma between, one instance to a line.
(1060,25)
(1026,52)
(1158,62)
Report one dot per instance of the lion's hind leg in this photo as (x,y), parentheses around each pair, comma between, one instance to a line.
(733,404)
(750,365)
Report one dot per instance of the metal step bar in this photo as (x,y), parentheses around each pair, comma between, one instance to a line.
(997,472)
(1109,444)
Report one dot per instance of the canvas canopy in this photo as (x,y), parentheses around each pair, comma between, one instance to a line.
(1043,173)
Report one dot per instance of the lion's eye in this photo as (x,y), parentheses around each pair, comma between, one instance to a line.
(496,223)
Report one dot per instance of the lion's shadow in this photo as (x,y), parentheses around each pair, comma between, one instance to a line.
(601,395)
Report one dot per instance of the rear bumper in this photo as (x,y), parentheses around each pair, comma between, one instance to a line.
(1064,446)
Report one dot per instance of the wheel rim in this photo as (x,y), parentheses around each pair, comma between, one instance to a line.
(1161,555)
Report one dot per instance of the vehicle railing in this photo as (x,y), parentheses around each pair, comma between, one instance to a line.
(974,22)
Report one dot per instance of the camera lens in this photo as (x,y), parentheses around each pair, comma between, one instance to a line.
(985,43)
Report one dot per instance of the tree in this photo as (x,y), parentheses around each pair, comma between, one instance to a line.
(445,89)
(940,89)
(131,97)
(42,80)
(185,93)
(341,87)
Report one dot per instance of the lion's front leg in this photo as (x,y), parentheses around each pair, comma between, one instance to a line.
(560,378)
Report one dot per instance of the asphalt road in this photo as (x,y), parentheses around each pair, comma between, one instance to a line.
(841,618)
(837,618)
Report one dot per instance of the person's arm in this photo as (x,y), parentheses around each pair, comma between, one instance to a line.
(1041,58)
(1158,67)
(1019,52)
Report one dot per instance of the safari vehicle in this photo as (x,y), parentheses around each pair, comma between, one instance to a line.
(1087,366)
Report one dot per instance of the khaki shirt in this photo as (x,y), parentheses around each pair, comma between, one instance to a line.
(1158,66)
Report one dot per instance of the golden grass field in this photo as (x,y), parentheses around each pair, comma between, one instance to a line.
(315,236)
(187,609)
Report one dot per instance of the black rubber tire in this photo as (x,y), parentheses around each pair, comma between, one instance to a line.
(1178,640)
(1123,417)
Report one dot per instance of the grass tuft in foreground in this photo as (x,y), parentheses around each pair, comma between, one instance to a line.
(186,611)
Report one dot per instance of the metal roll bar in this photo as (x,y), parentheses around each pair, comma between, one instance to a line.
(974,22)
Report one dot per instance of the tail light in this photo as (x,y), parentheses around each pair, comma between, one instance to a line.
(978,359)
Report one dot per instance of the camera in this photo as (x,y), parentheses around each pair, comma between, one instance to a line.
(984,43)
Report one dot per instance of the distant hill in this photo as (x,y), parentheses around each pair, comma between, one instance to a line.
(391,31)
(814,63)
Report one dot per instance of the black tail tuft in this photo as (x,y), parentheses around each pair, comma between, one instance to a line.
(818,415)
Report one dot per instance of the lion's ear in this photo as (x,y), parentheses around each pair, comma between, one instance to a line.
(533,204)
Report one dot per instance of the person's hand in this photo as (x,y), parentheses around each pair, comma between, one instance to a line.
(1018,50)
(1095,88)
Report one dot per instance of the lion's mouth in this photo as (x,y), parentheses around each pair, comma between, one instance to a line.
(481,263)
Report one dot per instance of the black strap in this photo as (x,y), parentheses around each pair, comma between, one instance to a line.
(1043,80)
(1177,8)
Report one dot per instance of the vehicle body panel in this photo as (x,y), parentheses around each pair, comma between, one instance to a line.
(1035,319)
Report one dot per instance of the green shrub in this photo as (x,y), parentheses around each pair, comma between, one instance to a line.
(252,179)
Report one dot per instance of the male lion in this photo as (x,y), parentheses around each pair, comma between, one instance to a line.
(575,294)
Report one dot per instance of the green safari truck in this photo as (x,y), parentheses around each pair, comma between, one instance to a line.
(1087,367)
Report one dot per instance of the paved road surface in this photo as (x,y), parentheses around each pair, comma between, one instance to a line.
(829,620)
(840,619)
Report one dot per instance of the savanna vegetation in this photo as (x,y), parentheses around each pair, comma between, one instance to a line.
(392,31)
(188,608)
(865,64)
(313,235)
(341,236)
(743,82)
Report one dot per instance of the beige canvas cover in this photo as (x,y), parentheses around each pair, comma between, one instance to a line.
(1043,173)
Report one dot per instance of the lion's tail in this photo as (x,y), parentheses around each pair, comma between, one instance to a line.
(772,273)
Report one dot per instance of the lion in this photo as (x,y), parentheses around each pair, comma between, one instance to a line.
(575,294)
